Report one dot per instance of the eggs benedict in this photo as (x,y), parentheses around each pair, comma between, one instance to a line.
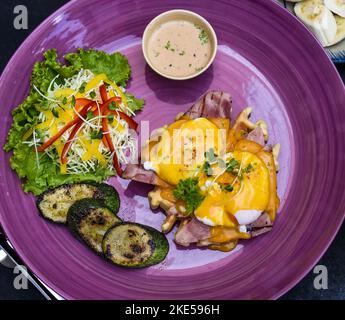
(216,179)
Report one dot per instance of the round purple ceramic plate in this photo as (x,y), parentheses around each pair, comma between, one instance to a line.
(262,63)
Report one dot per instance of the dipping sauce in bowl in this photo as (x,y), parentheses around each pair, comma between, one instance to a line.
(179,44)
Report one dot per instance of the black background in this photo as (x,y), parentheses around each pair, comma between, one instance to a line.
(334,259)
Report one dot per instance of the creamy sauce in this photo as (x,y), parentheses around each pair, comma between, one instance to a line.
(179,48)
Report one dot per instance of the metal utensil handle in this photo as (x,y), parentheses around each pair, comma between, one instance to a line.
(5,246)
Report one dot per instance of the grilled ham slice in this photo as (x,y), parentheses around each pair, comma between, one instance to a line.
(194,232)
(138,173)
(213,104)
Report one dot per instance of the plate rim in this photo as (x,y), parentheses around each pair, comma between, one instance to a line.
(64,294)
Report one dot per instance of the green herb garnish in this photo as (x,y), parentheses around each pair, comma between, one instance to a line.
(248,168)
(233,166)
(210,155)
(64,100)
(110,118)
(189,191)
(82,87)
(112,105)
(73,101)
(227,187)
(89,115)
(55,113)
(93,94)
(168,45)
(203,37)
(96,135)
(207,169)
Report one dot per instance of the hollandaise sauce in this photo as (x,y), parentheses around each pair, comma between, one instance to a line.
(249,192)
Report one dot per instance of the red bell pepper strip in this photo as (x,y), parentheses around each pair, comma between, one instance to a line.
(111,147)
(105,142)
(105,128)
(131,123)
(70,124)
(69,142)
(103,92)
(80,103)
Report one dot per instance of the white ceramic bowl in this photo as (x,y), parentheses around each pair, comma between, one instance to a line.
(179,15)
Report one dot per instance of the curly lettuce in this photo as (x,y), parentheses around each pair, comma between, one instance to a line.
(38,178)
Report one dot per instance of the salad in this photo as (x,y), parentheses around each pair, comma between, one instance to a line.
(72,132)
(75,124)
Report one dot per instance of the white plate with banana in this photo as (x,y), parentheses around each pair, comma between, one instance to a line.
(326,20)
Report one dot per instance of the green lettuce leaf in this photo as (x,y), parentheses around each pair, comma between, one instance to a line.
(114,65)
(47,175)
(26,114)
(133,103)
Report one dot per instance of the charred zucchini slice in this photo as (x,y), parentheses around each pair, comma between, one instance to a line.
(133,245)
(89,220)
(109,195)
(54,203)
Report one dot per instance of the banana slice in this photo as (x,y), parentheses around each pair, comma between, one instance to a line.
(340,30)
(319,20)
(336,6)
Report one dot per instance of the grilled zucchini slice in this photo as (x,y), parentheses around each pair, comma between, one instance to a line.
(89,220)
(133,245)
(54,203)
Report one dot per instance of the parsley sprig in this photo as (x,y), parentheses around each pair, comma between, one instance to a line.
(189,191)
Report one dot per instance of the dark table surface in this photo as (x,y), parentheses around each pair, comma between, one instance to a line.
(38,10)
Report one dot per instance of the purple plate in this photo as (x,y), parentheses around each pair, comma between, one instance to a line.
(262,64)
